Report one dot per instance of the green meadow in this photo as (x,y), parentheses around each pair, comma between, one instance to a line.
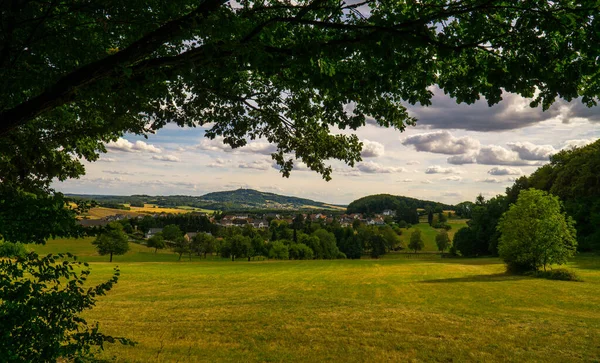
(392,309)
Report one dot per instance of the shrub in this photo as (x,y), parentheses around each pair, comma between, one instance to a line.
(558,274)
(300,251)
(10,249)
(40,299)
(279,251)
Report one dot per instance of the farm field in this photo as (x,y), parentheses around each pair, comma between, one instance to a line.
(393,309)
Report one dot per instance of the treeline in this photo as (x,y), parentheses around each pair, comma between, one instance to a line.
(379,202)
(187,222)
(571,175)
(301,240)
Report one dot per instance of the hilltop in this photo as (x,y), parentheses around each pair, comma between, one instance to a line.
(238,199)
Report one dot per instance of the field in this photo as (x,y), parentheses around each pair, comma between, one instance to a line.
(428,234)
(393,309)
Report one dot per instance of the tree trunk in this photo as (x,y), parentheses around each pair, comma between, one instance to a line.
(232,258)
(156,249)
(180,257)
(111,257)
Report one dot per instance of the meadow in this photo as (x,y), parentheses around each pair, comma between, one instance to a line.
(391,309)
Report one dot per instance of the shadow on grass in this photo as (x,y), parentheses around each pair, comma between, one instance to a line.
(480,278)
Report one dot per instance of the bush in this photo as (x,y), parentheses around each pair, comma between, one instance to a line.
(40,299)
(279,251)
(9,249)
(300,251)
(558,274)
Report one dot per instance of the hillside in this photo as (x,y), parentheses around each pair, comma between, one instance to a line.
(227,200)
(377,203)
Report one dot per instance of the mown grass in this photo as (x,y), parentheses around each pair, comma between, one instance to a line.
(343,310)
(428,233)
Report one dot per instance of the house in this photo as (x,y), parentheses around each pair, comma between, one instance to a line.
(260,223)
(152,231)
(389,213)
(190,236)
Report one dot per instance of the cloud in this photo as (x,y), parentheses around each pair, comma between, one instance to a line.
(497,155)
(490,180)
(452,194)
(436,169)
(372,149)
(442,142)
(504,171)
(406,180)
(426,181)
(452,178)
(257,165)
(529,151)
(256,147)
(169,158)
(413,162)
(126,146)
(107,160)
(117,172)
(371,167)
(462,159)
(219,163)
(570,144)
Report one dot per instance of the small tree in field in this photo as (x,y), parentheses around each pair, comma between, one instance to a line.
(181,246)
(157,242)
(416,241)
(442,240)
(113,241)
(535,233)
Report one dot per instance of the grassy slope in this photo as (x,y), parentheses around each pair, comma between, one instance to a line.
(365,310)
(428,234)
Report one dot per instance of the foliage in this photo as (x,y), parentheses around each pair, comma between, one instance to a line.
(416,242)
(172,232)
(157,242)
(10,249)
(378,246)
(204,243)
(442,241)
(405,207)
(300,251)
(535,233)
(181,246)
(40,302)
(560,274)
(464,242)
(279,251)
(236,246)
(327,245)
(113,241)
(185,221)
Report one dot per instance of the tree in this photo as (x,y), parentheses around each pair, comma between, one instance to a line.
(300,251)
(464,242)
(171,233)
(181,246)
(328,245)
(50,287)
(416,242)
(442,240)
(378,244)
(279,251)
(113,241)
(535,233)
(430,217)
(204,243)
(157,242)
(237,246)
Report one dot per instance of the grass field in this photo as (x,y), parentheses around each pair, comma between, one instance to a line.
(391,309)
(428,234)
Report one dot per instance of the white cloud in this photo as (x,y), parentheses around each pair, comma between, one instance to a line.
(257,165)
(256,147)
(117,172)
(529,151)
(490,180)
(502,170)
(436,169)
(406,180)
(497,155)
(570,144)
(372,149)
(442,142)
(413,162)
(169,158)
(426,181)
(219,163)
(139,146)
(107,160)
(452,178)
(371,167)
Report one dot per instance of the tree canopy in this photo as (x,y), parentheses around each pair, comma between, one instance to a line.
(535,232)
(77,75)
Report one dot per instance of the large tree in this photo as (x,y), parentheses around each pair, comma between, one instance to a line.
(76,75)
(536,233)
(113,241)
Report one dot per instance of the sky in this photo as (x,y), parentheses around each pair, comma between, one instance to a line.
(455,152)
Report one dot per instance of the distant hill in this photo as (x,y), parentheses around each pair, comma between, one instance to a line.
(378,202)
(239,199)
